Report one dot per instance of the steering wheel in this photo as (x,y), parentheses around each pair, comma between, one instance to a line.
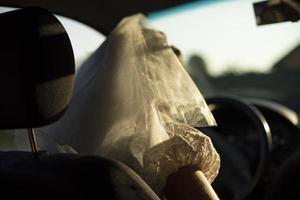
(281,180)
(243,140)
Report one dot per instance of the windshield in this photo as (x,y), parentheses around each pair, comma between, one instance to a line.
(226,52)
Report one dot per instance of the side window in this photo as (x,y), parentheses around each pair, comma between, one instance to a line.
(85,40)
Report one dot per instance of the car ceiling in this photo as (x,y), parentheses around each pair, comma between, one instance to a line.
(103,15)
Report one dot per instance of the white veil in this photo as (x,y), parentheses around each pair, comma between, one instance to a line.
(134,102)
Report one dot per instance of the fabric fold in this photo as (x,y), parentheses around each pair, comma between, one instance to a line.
(134,102)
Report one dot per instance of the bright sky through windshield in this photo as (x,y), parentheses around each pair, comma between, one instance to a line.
(224,33)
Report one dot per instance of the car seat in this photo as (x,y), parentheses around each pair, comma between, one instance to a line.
(36,81)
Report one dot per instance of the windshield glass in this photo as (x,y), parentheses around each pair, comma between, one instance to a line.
(226,52)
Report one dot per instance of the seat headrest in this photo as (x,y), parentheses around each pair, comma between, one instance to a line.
(36,68)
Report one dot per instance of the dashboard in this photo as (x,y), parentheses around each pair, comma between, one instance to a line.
(258,142)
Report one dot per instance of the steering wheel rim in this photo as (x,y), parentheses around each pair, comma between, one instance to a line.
(262,128)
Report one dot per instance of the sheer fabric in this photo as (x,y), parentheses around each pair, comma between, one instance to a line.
(134,102)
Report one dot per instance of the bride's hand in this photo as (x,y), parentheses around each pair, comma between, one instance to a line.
(189,184)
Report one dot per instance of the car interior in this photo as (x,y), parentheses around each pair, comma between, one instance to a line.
(257,114)
(37,92)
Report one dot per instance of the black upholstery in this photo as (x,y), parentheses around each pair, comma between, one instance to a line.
(36,81)
(36,68)
(66,176)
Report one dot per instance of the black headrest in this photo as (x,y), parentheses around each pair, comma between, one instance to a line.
(36,68)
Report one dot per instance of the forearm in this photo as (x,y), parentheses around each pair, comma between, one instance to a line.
(189,184)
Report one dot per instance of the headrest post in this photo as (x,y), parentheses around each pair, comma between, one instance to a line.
(32,140)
